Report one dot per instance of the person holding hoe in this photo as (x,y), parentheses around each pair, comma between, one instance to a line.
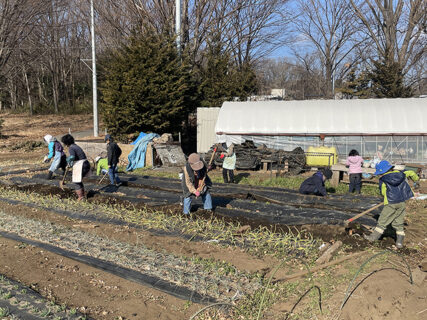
(396,190)
(196,182)
(78,161)
(56,152)
(113,155)
(315,185)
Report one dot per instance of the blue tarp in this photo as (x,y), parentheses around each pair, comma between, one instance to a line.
(137,156)
(141,135)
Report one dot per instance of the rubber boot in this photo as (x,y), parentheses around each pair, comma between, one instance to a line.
(80,194)
(49,175)
(399,241)
(374,236)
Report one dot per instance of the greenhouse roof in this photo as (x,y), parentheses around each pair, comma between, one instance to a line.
(329,117)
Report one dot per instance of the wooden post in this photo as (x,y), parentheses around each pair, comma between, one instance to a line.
(335,178)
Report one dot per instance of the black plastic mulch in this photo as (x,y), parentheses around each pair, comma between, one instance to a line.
(25,303)
(296,212)
(125,273)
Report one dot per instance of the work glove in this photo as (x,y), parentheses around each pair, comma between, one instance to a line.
(70,161)
(197,193)
(210,167)
(416,185)
(222,156)
(46,159)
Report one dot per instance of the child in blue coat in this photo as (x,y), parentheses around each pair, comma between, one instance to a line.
(396,190)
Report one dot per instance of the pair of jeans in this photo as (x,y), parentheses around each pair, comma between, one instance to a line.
(112,174)
(207,202)
(355,182)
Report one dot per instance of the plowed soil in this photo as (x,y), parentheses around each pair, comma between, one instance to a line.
(382,290)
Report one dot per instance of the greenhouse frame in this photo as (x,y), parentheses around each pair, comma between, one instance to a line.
(394,129)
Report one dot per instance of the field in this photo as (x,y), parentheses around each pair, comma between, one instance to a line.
(129,253)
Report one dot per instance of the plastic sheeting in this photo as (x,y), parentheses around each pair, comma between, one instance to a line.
(330,117)
(137,156)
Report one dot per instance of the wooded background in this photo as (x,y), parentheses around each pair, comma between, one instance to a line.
(230,49)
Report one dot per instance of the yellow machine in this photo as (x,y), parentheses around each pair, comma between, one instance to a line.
(321,156)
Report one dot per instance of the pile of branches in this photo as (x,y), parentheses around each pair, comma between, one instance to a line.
(249,157)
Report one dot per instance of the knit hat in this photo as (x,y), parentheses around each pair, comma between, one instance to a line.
(327,173)
(108,137)
(195,162)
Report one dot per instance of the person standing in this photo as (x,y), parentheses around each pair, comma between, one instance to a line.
(354,163)
(396,190)
(56,152)
(196,182)
(315,185)
(78,161)
(113,155)
(229,163)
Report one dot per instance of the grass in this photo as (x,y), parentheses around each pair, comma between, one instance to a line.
(255,179)
(4,312)
(259,242)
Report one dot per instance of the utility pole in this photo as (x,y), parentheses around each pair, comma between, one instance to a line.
(178,25)
(94,85)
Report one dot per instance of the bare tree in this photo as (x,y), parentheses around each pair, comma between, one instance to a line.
(328,26)
(397,28)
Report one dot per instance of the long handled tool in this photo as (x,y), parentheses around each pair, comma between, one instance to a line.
(202,184)
(103,177)
(62,182)
(346,222)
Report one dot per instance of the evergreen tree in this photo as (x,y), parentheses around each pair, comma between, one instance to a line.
(357,85)
(221,80)
(387,81)
(146,86)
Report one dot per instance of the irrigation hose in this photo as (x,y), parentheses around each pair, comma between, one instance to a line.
(348,292)
(302,297)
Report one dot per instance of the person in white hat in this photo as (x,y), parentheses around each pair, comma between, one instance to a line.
(196,182)
(101,165)
(56,152)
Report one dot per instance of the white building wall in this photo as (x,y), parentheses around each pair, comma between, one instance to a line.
(206,122)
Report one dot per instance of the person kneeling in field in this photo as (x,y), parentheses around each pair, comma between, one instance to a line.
(101,165)
(315,185)
(396,190)
(56,152)
(78,161)
(196,182)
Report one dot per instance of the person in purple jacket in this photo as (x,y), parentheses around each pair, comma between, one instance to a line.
(354,163)
(56,152)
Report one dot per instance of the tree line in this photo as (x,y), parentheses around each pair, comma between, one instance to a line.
(353,48)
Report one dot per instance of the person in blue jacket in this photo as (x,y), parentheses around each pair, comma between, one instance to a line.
(56,152)
(396,190)
(315,185)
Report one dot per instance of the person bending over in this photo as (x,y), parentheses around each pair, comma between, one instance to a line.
(315,185)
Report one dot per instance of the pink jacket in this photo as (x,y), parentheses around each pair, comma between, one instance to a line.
(355,164)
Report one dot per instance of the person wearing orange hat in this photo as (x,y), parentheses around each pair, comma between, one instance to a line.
(196,182)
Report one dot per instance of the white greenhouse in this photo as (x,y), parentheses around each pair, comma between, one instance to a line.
(394,128)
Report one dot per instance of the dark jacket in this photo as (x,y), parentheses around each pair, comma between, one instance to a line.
(314,185)
(188,182)
(396,188)
(113,153)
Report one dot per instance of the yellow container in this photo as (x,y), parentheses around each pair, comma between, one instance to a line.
(321,156)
